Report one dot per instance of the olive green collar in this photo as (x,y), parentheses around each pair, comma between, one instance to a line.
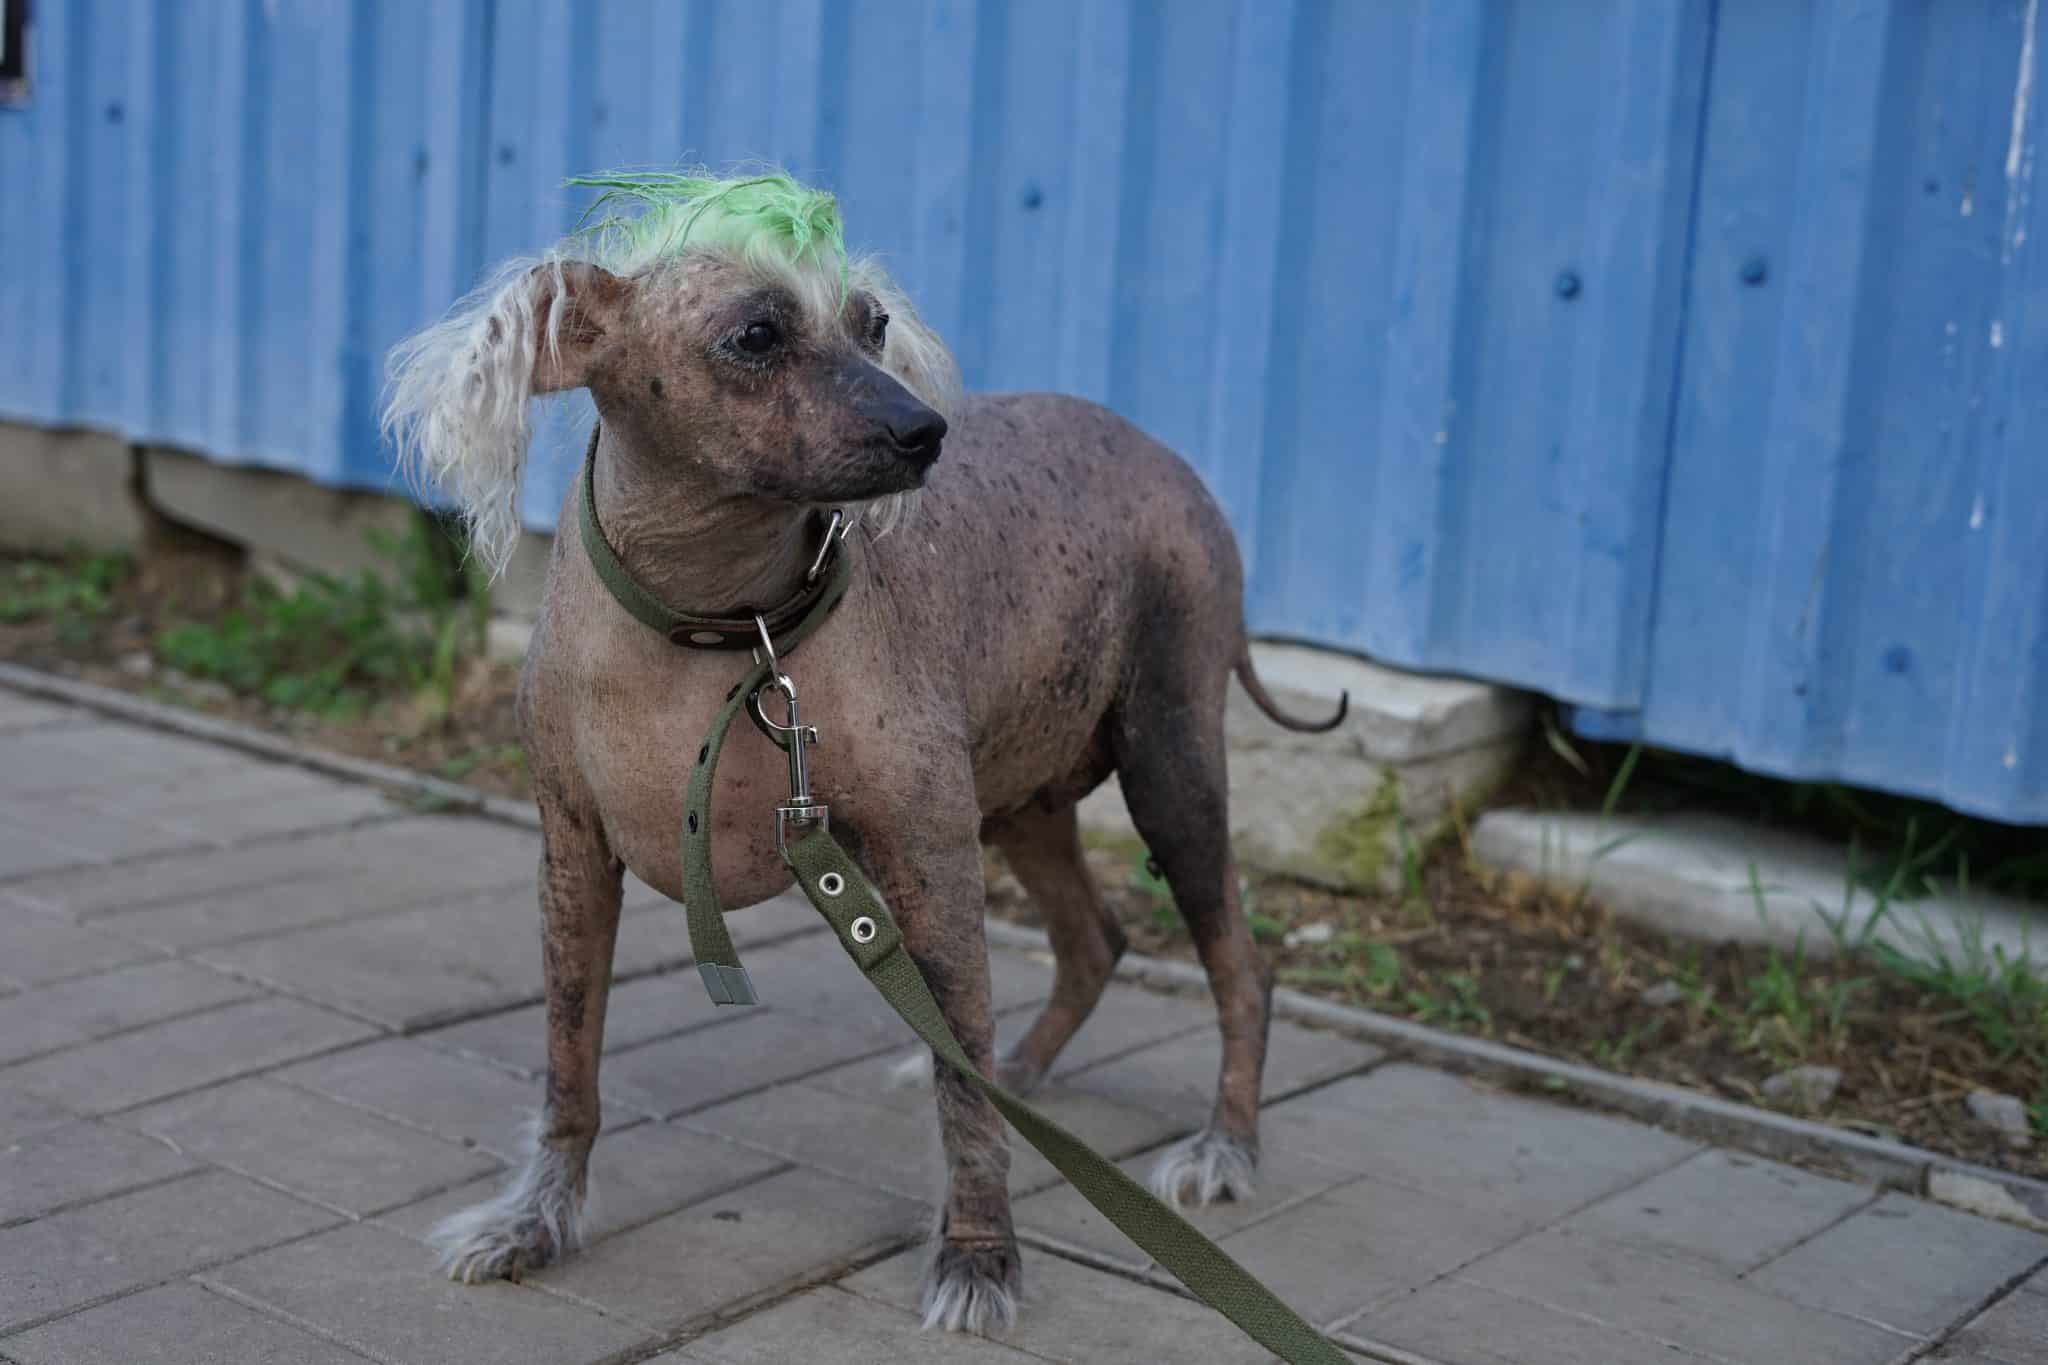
(830,570)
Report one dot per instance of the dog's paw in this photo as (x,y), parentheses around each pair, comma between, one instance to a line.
(1018,1073)
(534,1221)
(973,1289)
(477,1245)
(912,1073)
(1206,1168)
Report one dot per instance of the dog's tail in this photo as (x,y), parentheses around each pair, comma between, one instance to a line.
(1264,699)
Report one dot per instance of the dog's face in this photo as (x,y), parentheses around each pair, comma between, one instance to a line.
(771,390)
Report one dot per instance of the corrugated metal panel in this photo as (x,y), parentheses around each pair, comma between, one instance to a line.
(1854,579)
(1441,296)
(218,216)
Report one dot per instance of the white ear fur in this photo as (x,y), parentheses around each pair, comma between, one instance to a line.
(456,406)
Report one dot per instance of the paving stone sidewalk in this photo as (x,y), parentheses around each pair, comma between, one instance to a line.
(260,1028)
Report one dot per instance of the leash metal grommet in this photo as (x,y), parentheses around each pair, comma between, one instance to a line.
(863,930)
(831,884)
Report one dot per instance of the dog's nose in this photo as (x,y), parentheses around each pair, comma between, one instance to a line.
(918,432)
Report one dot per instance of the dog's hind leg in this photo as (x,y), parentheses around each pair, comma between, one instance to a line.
(536,1218)
(1044,851)
(1170,761)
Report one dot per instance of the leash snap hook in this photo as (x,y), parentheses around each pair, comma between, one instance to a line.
(794,738)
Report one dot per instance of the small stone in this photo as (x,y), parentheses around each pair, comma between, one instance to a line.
(1663,995)
(2006,1113)
(1804,1087)
(138,664)
(1310,933)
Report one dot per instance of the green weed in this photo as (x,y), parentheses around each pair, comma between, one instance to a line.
(76,592)
(336,646)
(1458,1005)
(1996,993)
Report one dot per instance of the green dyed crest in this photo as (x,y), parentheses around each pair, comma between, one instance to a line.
(646,216)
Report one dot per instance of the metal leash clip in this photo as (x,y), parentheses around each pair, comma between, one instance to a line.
(793,738)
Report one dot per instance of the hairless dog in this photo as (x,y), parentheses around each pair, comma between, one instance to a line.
(1062,602)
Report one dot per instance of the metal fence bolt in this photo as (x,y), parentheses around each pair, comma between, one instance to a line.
(1033,197)
(1567,285)
(1755,270)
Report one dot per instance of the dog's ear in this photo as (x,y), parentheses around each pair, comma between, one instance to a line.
(576,306)
(456,407)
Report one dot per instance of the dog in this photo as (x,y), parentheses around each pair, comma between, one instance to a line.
(1054,600)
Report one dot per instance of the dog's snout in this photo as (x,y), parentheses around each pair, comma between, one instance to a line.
(918,431)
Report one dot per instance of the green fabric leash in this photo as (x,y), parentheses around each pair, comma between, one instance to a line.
(840,892)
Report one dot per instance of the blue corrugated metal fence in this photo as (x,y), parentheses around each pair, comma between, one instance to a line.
(1686,361)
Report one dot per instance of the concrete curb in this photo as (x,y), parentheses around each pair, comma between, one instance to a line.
(1977,1189)
(1895,1165)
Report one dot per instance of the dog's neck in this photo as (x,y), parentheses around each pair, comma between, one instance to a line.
(697,549)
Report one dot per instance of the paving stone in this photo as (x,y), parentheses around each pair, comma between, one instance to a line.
(414,968)
(758,1048)
(248,802)
(1721,1209)
(1462,1324)
(651,940)
(24,852)
(328,1152)
(1178,1077)
(638,1012)
(1675,1302)
(406,970)
(1285,1178)
(72,1258)
(105,758)
(182,1324)
(890,1146)
(1071,1312)
(395,863)
(1908,1264)
(415,1085)
(1361,1244)
(736,1247)
(183,1054)
(814,976)
(379,1292)
(89,1007)
(27,713)
(636,1176)
(37,948)
(892,1139)
(861,1332)
(76,1162)
(1126,1020)
(1522,1160)
(2013,1331)
(23,1115)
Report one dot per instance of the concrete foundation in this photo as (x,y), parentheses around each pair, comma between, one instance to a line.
(1340,809)
(67,490)
(1709,877)
(278,517)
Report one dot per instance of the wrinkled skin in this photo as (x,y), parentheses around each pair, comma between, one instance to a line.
(1064,603)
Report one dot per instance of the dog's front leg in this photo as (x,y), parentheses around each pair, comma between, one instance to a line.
(537,1217)
(972,1281)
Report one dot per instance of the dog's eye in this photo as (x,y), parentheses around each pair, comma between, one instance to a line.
(878,330)
(759,338)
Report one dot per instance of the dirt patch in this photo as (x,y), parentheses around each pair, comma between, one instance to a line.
(1455,948)
(1505,960)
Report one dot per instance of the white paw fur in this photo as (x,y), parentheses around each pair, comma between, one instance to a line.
(1204,1169)
(535,1220)
(961,1295)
